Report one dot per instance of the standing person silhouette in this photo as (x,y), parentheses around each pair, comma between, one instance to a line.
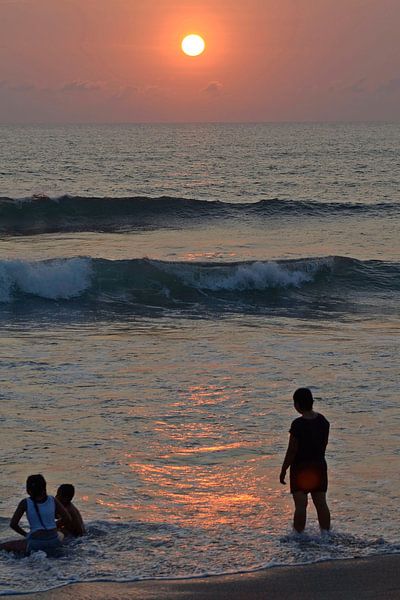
(305,456)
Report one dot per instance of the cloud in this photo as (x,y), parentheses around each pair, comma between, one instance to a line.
(125,92)
(17,87)
(390,87)
(151,90)
(22,87)
(361,86)
(358,87)
(81,86)
(213,88)
(71,86)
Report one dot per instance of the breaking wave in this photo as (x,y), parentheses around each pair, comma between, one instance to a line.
(329,283)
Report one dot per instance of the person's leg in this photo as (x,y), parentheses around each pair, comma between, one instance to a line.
(324,516)
(14,546)
(51,546)
(300,512)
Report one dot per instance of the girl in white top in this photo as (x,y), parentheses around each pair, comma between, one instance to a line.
(41,511)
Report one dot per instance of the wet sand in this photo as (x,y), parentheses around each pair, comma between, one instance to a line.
(375,578)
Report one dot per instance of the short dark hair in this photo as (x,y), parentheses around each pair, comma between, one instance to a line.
(303,398)
(36,485)
(67,491)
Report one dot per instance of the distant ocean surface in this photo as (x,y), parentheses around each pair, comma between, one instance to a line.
(163,291)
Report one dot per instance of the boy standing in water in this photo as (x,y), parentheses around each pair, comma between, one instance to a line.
(74,526)
(306,458)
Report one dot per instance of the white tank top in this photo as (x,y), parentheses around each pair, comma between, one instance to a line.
(47,511)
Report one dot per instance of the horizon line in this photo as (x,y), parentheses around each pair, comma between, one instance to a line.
(250,122)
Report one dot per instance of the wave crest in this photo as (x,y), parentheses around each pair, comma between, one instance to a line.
(52,280)
(41,214)
(327,284)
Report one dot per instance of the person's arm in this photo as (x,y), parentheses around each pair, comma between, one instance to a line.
(289,457)
(327,435)
(17,516)
(77,522)
(62,513)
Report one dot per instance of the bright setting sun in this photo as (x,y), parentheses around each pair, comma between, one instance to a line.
(193,45)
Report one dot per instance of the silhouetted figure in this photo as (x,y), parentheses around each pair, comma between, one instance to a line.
(74,527)
(41,511)
(306,458)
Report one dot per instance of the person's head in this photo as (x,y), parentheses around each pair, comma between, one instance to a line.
(303,400)
(36,486)
(65,493)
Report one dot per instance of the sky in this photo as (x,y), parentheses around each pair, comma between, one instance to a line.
(265,60)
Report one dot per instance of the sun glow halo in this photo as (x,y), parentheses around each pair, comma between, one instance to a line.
(193,45)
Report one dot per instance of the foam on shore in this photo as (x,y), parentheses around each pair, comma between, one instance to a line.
(375,577)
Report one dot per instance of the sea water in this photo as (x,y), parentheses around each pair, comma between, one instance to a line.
(163,291)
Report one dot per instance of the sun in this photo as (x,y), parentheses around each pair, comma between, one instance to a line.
(193,45)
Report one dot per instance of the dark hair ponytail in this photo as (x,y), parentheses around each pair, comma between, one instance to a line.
(36,486)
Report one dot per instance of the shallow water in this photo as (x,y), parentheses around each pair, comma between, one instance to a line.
(161,386)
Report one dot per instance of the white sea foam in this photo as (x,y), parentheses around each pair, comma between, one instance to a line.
(51,279)
(252,276)
(133,551)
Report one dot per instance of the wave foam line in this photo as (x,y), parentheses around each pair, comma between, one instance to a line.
(160,283)
(52,280)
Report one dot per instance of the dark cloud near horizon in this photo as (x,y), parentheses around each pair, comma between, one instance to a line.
(17,87)
(358,87)
(213,88)
(392,86)
(69,86)
(81,86)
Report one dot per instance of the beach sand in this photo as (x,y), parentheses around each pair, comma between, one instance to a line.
(375,578)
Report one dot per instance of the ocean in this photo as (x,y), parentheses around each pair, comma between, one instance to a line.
(163,291)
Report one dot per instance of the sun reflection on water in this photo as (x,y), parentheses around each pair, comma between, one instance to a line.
(208,472)
(199,463)
(207,495)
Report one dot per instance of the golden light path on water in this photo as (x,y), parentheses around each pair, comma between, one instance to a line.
(203,481)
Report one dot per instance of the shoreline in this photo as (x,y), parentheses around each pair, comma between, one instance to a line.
(375,577)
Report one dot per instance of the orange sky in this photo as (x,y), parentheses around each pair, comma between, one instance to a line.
(266,60)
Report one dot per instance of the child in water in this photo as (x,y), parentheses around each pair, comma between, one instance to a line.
(306,458)
(41,511)
(74,527)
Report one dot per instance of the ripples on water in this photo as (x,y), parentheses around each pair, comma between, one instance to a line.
(171,410)
(234,163)
(174,435)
